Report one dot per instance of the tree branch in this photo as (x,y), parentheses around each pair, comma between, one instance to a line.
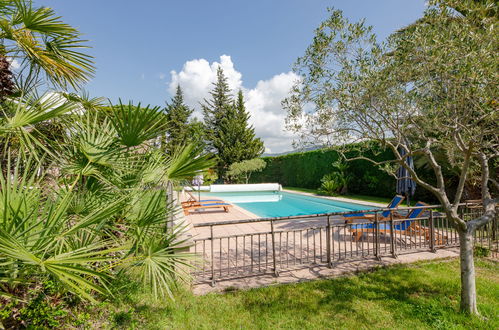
(463,175)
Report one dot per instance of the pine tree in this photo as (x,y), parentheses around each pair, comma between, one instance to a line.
(179,128)
(214,110)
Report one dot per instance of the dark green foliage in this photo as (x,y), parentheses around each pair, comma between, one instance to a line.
(136,125)
(124,318)
(214,110)
(332,184)
(306,170)
(236,140)
(337,181)
(197,133)
(45,306)
(481,251)
(250,146)
(179,130)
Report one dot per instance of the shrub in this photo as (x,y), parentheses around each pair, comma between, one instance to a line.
(481,251)
(332,184)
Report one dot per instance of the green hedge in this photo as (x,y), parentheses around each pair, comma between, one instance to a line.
(306,169)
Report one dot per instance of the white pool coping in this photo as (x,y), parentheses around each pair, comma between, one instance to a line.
(339,199)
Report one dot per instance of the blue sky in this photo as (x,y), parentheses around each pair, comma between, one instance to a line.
(137,45)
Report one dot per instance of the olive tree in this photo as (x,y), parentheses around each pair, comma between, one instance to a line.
(429,88)
(242,170)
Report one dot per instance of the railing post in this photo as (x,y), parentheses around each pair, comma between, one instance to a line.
(494,225)
(212,257)
(392,239)
(376,236)
(432,233)
(274,261)
(328,242)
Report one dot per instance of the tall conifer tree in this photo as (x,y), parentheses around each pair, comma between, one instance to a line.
(228,133)
(236,139)
(179,130)
(214,110)
(251,146)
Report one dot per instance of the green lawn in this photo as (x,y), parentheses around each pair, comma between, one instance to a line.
(418,296)
(365,198)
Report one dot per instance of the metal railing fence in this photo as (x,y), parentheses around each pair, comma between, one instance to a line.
(289,243)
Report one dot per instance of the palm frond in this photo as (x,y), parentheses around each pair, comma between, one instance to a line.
(136,125)
(187,163)
(42,41)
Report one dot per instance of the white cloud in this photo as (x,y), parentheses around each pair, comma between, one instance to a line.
(263,101)
(197,77)
(14,64)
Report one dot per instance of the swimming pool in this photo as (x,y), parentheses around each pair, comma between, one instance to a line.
(282,203)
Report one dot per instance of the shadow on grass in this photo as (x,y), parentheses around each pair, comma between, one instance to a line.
(400,292)
(424,295)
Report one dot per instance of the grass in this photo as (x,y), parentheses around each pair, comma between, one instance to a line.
(364,198)
(420,296)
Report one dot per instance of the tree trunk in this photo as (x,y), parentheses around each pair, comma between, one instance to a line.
(468,287)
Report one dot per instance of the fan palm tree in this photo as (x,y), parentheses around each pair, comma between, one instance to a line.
(39,237)
(42,43)
(103,218)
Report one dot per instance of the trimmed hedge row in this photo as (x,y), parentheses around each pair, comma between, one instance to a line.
(306,169)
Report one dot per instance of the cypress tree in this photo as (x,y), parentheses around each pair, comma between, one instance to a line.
(178,129)
(214,110)
(251,146)
(236,139)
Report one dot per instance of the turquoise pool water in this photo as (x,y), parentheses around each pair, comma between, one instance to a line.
(283,204)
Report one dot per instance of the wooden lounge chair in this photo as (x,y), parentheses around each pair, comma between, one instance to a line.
(193,199)
(408,227)
(381,216)
(200,205)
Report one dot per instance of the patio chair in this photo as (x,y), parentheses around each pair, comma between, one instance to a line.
(408,227)
(381,216)
(205,205)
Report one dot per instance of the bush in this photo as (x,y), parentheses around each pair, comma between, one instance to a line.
(332,184)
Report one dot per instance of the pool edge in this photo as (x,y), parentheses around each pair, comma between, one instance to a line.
(338,199)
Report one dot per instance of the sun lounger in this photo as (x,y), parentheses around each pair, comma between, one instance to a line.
(192,199)
(203,205)
(381,216)
(408,227)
